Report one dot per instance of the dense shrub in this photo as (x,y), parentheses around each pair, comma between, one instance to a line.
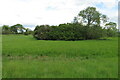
(69,31)
(41,32)
(95,32)
(111,32)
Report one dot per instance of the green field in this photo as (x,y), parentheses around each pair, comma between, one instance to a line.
(26,57)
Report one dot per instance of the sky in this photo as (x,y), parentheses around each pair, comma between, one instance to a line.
(30,13)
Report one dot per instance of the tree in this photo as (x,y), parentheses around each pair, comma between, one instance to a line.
(91,16)
(111,29)
(76,30)
(5,29)
(18,28)
(75,20)
(13,29)
(111,25)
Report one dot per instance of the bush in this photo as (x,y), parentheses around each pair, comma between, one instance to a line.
(69,31)
(41,32)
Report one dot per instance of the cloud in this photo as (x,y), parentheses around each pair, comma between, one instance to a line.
(37,12)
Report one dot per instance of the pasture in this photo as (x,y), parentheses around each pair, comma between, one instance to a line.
(26,57)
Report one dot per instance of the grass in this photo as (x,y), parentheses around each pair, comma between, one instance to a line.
(59,59)
(0,56)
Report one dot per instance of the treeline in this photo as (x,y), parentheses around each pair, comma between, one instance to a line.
(16,29)
(72,31)
(87,25)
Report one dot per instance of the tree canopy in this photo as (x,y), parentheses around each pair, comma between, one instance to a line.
(15,29)
(91,16)
(76,30)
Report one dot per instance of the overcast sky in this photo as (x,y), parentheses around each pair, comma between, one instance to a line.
(53,12)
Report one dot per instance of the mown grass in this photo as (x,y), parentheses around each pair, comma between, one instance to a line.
(25,57)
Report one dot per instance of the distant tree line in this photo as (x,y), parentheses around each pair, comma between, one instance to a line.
(15,29)
(87,25)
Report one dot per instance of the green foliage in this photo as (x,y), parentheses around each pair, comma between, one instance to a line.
(76,30)
(15,29)
(91,16)
(40,32)
(111,29)
(62,32)
(111,24)
(6,29)
(18,28)
(111,33)
(69,31)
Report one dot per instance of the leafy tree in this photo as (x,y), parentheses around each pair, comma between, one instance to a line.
(13,29)
(111,25)
(18,28)
(91,16)
(75,20)
(5,29)
(111,29)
